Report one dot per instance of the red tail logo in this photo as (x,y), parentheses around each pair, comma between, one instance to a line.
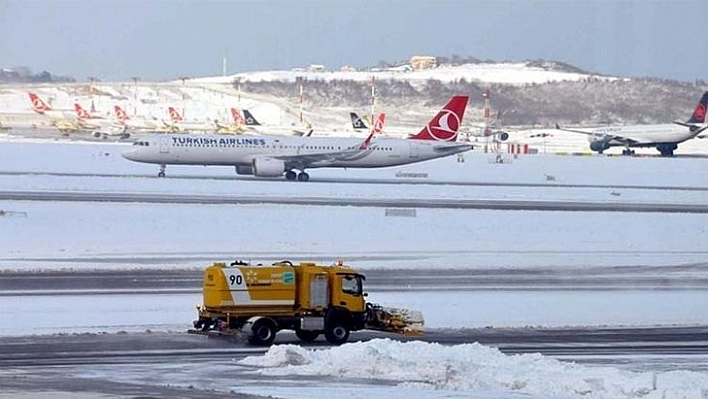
(379,124)
(38,105)
(238,119)
(80,112)
(444,126)
(120,114)
(174,115)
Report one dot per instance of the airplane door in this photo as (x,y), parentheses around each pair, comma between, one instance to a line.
(414,150)
(164,144)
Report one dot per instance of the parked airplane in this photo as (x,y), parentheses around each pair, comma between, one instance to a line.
(178,123)
(62,120)
(665,137)
(358,123)
(238,124)
(269,156)
(253,124)
(99,126)
(137,123)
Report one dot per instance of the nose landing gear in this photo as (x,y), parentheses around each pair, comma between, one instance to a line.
(161,173)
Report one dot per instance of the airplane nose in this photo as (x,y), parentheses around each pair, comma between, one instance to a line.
(130,154)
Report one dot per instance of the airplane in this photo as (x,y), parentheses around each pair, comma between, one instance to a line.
(665,137)
(99,126)
(178,123)
(357,122)
(489,130)
(237,126)
(135,123)
(60,119)
(268,156)
(253,124)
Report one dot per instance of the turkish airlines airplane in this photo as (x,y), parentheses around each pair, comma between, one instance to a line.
(665,137)
(61,119)
(99,126)
(179,124)
(137,123)
(296,129)
(269,156)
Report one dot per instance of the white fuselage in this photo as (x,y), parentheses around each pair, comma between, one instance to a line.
(295,152)
(642,135)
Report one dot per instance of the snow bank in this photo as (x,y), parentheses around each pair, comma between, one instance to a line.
(475,368)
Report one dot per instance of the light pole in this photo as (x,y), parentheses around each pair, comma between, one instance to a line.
(184,98)
(301,82)
(135,95)
(91,79)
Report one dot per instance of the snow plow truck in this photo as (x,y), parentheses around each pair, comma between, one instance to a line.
(308,298)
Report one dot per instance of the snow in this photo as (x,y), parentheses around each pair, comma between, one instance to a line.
(505,73)
(50,236)
(470,370)
(111,312)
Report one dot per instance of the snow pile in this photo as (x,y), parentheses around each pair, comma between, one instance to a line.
(475,368)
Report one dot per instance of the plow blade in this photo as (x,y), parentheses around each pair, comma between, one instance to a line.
(396,320)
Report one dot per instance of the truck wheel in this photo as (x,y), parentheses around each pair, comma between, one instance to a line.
(262,333)
(307,336)
(337,333)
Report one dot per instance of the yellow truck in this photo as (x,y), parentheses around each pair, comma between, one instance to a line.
(308,298)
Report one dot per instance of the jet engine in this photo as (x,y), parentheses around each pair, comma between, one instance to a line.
(599,146)
(268,167)
(244,169)
(501,135)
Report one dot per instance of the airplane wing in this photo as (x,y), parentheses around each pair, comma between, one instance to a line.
(305,160)
(695,128)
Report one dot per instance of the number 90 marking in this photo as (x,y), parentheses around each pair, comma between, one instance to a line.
(238,280)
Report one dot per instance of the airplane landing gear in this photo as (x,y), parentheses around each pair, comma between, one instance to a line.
(627,151)
(292,175)
(161,173)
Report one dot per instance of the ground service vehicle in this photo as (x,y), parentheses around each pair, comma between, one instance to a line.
(307,298)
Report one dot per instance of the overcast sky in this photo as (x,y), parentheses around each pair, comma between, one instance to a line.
(159,40)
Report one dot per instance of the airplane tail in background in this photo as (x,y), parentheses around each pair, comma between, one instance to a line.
(236,115)
(250,120)
(38,105)
(444,126)
(699,113)
(121,115)
(378,128)
(379,124)
(357,122)
(174,115)
(81,113)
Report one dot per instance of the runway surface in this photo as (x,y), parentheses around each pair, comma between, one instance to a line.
(440,203)
(404,179)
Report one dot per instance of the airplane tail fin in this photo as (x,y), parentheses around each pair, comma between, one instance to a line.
(38,105)
(236,115)
(174,115)
(378,128)
(444,126)
(80,112)
(250,120)
(357,122)
(379,124)
(699,113)
(121,115)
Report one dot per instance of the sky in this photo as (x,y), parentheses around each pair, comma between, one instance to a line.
(160,40)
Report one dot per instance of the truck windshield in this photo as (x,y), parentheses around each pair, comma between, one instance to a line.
(351,285)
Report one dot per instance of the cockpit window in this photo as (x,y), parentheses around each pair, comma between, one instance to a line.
(351,285)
